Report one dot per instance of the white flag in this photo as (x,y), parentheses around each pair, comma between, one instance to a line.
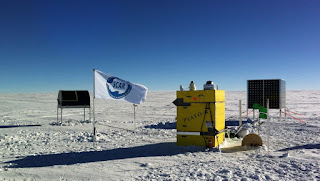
(110,87)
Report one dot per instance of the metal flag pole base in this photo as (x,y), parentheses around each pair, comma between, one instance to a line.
(93,115)
(94,136)
(134,121)
(94,132)
(134,117)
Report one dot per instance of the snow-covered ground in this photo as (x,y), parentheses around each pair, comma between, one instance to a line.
(33,146)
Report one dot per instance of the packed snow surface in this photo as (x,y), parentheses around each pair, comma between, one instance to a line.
(34,146)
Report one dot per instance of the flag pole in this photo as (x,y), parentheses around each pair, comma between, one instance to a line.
(94,117)
(134,117)
(134,121)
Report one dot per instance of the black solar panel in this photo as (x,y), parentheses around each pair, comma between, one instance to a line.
(260,90)
(73,98)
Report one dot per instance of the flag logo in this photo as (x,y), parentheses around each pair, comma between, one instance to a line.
(112,87)
(118,88)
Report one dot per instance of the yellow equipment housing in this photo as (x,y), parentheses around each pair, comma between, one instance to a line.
(200,117)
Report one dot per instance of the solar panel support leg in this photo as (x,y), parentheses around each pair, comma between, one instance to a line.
(61,116)
(57,113)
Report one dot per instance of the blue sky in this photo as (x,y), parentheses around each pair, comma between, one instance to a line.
(49,45)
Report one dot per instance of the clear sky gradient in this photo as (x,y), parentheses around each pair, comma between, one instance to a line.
(49,45)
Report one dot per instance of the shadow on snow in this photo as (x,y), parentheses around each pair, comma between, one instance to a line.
(160,149)
(308,146)
(14,126)
(161,125)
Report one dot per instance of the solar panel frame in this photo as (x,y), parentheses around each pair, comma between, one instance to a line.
(258,91)
(73,99)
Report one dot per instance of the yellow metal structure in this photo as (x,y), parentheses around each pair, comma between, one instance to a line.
(201,117)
